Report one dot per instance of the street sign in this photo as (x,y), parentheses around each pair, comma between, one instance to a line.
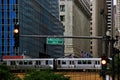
(55,41)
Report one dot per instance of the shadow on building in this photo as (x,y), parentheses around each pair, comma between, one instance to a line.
(43,55)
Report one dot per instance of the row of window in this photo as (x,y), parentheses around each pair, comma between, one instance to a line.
(30,62)
(78,62)
(62,9)
(50,62)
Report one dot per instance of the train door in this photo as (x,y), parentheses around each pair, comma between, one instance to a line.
(97,64)
(71,64)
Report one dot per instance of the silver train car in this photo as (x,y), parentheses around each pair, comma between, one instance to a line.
(26,64)
(79,63)
(54,63)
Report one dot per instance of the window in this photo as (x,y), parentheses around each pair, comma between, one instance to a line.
(58,61)
(20,63)
(12,62)
(79,62)
(90,47)
(38,63)
(25,62)
(47,62)
(89,62)
(30,63)
(62,18)
(62,8)
(63,62)
(84,62)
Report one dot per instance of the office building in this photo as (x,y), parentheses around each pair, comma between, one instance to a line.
(75,16)
(118,14)
(98,26)
(109,17)
(34,17)
(117,21)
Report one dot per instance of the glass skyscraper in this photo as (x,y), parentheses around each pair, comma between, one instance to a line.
(7,21)
(35,17)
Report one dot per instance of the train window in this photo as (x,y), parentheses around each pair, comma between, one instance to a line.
(58,62)
(20,63)
(38,62)
(89,62)
(30,63)
(63,62)
(4,63)
(84,62)
(49,62)
(71,62)
(12,62)
(46,61)
(96,62)
(79,62)
(25,62)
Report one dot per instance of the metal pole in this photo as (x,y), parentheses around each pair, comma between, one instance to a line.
(112,54)
(59,36)
(112,41)
(103,53)
(119,56)
(118,64)
(118,68)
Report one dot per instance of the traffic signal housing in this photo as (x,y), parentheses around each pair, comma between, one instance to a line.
(104,61)
(16,35)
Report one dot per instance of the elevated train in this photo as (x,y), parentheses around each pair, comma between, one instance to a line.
(54,63)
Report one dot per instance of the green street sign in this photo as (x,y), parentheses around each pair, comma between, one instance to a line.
(55,41)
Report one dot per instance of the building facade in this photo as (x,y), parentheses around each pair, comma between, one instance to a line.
(117,21)
(109,17)
(118,14)
(35,17)
(75,16)
(98,26)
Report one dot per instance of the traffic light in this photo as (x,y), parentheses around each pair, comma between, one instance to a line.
(16,35)
(104,61)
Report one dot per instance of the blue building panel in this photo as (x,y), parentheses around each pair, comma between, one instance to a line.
(6,26)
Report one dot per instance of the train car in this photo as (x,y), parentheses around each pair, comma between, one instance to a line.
(26,64)
(78,63)
(57,63)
